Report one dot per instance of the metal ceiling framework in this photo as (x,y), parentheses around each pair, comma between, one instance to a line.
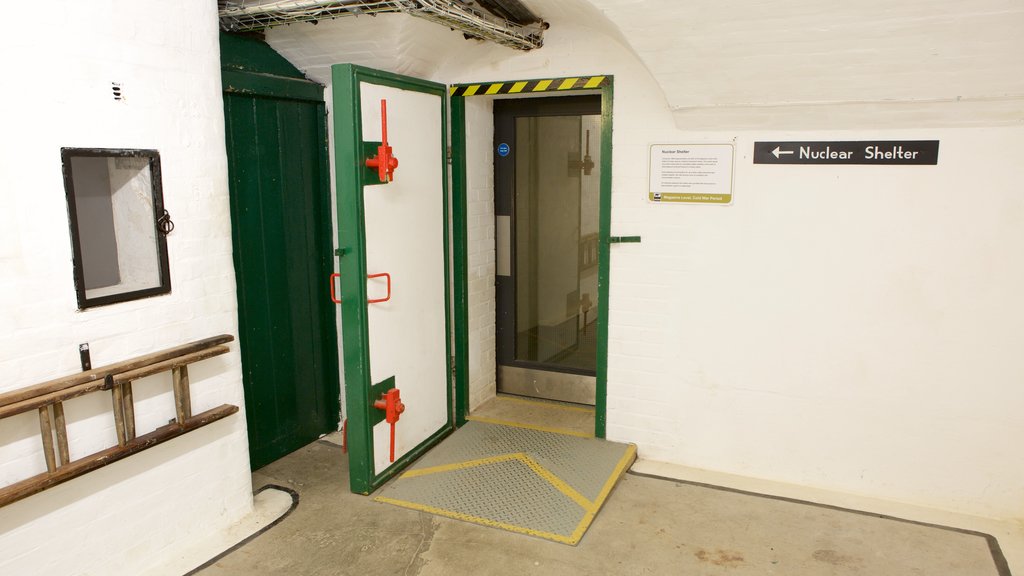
(487,19)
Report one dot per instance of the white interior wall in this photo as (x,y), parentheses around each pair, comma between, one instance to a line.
(480,254)
(133,516)
(847,328)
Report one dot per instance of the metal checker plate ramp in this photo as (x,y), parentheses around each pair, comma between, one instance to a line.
(527,481)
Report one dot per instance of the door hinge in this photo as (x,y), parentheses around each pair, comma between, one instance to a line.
(448,154)
(451,365)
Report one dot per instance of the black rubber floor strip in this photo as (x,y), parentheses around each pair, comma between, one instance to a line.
(246,540)
(1002,567)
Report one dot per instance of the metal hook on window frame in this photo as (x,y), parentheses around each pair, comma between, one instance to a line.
(164,223)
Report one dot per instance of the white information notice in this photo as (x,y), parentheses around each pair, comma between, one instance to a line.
(691,173)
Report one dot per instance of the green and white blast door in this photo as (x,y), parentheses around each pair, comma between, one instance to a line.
(393,267)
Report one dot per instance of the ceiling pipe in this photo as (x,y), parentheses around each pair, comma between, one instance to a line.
(250,15)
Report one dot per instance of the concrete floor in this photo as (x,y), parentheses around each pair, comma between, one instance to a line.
(648,526)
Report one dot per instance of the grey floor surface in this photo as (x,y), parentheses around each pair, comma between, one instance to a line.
(648,526)
(543,484)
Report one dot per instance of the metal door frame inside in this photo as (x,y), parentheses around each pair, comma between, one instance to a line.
(459,92)
(348,141)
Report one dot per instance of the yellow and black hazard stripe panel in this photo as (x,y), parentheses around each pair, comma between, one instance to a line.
(529,86)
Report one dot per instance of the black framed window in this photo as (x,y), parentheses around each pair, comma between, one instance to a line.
(118,224)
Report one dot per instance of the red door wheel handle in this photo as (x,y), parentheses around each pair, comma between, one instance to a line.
(391,403)
(385,161)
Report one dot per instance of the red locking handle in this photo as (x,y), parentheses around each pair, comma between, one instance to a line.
(391,403)
(381,275)
(385,161)
(336,300)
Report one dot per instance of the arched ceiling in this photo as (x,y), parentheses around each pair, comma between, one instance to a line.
(750,58)
(708,53)
(407,45)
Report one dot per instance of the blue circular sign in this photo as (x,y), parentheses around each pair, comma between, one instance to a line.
(503,149)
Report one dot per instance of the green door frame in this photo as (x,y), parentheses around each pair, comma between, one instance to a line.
(352,175)
(458,94)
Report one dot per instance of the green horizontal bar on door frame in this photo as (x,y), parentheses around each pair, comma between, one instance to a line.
(530,86)
(242,82)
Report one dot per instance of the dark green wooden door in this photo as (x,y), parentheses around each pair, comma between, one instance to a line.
(281,228)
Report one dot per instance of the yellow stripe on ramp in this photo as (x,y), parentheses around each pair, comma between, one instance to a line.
(463,465)
(473,494)
(517,87)
(567,83)
(484,521)
(594,82)
(530,426)
(494,89)
(471,90)
(558,483)
(544,404)
(542,85)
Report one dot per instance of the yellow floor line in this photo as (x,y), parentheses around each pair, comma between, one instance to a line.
(590,508)
(530,426)
(620,469)
(545,404)
(559,484)
(478,520)
(463,465)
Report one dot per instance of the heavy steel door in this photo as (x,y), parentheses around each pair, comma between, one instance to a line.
(393,266)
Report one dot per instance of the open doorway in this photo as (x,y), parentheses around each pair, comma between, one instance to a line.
(547,147)
(547,178)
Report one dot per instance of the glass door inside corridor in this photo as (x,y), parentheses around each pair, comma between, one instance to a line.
(547,207)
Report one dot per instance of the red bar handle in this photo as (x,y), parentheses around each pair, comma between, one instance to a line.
(381,275)
(336,300)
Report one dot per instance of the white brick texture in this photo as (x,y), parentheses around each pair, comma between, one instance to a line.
(129,517)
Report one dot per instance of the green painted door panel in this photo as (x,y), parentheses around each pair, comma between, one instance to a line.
(281,228)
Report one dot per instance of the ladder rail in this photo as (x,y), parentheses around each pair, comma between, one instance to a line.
(48,400)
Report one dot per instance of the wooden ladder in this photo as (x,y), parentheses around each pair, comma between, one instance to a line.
(48,399)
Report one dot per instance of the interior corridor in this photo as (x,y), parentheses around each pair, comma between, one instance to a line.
(649,525)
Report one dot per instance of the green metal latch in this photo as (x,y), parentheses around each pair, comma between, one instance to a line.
(623,239)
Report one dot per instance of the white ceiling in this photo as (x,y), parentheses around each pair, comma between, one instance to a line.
(709,55)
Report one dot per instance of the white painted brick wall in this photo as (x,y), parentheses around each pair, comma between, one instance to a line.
(855,329)
(127,518)
(480,242)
